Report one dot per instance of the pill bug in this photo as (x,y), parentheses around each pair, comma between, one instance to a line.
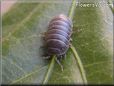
(57,38)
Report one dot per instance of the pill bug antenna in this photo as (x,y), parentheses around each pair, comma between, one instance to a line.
(59,63)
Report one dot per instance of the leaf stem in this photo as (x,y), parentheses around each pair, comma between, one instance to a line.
(50,68)
(71,11)
(111,4)
(79,63)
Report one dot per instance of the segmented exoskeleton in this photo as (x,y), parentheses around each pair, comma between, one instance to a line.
(58,35)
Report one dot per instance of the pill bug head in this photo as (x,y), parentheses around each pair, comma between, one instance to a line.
(62,17)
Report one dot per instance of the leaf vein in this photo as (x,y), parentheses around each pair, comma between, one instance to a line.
(27,75)
(96,63)
(21,23)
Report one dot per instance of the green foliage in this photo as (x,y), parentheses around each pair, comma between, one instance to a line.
(22,61)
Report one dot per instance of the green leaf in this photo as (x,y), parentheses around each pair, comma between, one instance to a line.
(21,53)
(93,40)
(22,61)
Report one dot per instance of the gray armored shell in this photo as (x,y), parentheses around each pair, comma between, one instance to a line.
(58,35)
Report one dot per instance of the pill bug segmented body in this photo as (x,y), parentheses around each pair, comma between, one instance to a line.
(57,37)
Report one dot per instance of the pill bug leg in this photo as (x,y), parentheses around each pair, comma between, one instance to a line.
(44,48)
(64,56)
(61,57)
(70,39)
(46,57)
(43,35)
(44,53)
(69,44)
(58,61)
